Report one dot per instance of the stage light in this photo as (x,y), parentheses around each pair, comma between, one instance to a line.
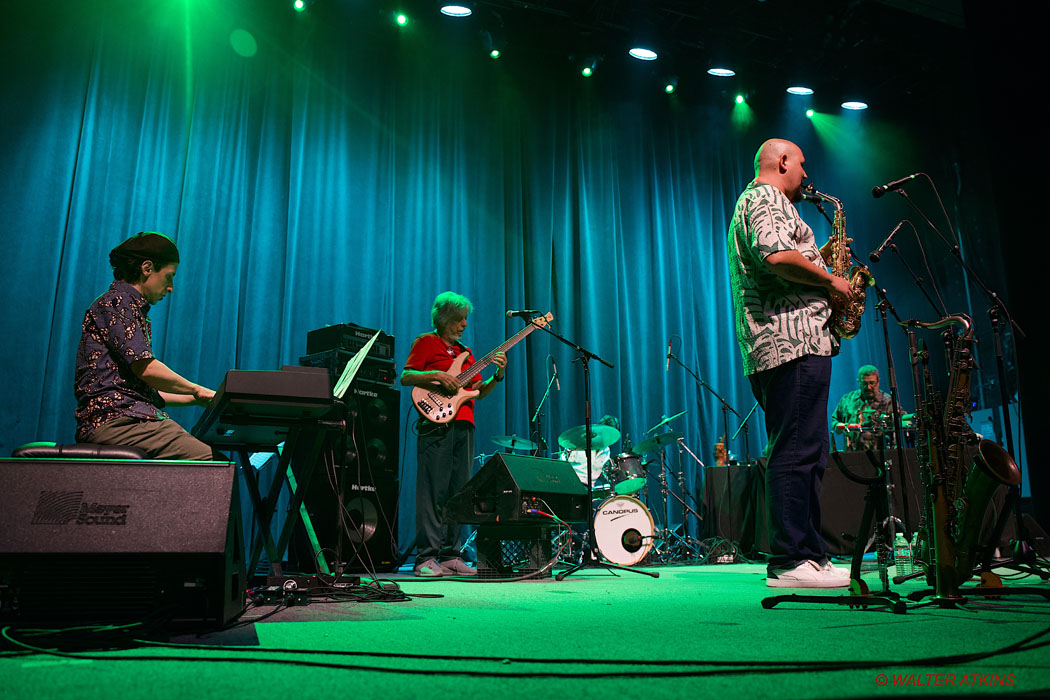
(299,5)
(401,20)
(642,53)
(457,10)
(671,84)
(800,90)
(854,105)
(590,64)
(810,113)
(493,36)
(721,72)
(740,99)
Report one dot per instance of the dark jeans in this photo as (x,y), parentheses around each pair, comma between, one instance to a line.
(794,397)
(444,454)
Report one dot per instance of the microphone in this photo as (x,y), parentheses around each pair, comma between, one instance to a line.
(877,253)
(668,367)
(524,313)
(879,190)
(556,382)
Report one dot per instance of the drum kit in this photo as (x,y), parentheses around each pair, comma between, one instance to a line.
(624,529)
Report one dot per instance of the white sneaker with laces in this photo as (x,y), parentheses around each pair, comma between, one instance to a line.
(808,574)
(836,571)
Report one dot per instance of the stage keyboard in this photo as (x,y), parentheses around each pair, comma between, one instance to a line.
(257,408)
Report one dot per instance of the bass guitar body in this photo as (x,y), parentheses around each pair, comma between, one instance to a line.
(438,407)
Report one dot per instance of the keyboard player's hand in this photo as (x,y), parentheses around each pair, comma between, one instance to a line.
(202,395)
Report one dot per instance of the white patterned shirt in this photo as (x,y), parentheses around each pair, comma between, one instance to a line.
(776,320)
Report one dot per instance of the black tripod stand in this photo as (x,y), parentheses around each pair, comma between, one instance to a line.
(592,558)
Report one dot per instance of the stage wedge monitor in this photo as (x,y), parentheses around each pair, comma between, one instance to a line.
(88,540)
(509,486)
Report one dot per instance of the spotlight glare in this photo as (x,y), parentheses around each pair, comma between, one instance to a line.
(456,10)
(494,53)
(669,88)
(299,5)
(587,72)
(643,54)
(854,105)
(810,113)
(740,99)
(800,90)
(721,72)
(402,20)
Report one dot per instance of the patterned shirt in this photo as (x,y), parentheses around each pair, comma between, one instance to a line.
(430,352)
(776,320)
(116,332)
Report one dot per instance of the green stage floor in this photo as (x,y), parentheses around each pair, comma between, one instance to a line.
(697,631)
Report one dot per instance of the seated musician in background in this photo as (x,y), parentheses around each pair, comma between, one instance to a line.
(864,413)
(119,385)
(599,458)
(444,451)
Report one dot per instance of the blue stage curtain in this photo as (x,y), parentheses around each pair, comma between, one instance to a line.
(350,175)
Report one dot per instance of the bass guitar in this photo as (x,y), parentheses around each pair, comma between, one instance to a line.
(438,407)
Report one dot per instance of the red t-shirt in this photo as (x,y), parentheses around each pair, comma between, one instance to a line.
(430,352)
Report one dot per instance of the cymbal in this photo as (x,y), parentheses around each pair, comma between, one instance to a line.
(657,442)
(514,442)
(664,422)
(601,436)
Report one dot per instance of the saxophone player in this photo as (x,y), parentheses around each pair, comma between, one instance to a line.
(781,290)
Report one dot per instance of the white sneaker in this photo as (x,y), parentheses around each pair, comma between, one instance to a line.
(808,574)
(836,571)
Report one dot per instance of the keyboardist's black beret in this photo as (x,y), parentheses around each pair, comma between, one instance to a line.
(145,246)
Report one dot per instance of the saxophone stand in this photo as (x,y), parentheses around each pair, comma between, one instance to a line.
(876,510)
(591,556)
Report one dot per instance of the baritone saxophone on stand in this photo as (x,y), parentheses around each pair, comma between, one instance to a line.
(845,317)
(955,495)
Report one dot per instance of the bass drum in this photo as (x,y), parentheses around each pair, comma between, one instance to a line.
(623,530)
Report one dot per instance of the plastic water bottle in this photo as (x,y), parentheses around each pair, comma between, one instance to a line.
(902,555)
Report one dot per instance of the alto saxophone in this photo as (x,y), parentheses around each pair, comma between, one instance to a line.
(845,316)
(956,495)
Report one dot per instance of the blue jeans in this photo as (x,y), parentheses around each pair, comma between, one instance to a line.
(794,397)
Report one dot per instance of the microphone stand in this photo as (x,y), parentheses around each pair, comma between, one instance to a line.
(744,426)
(726,409)
(591,558)
(541,443)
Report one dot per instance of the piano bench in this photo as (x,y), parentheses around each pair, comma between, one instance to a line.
(79,450)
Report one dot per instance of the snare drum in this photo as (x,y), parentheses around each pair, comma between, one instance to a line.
(626,474)
(623,530)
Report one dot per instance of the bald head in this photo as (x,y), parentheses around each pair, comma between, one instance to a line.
(779,162)
(769,154)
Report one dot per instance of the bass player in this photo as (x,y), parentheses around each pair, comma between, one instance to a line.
(444,451)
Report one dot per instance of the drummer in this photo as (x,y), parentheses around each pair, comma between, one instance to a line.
(865,413)
(599,458)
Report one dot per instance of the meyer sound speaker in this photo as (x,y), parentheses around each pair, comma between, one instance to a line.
(353,508)
(508,486)
(102,541)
